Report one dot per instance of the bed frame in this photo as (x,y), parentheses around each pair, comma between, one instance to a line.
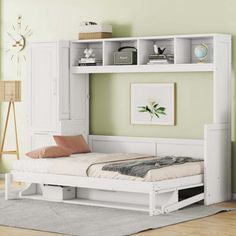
(153,197)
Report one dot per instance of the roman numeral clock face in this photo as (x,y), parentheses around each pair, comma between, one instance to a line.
(16,42)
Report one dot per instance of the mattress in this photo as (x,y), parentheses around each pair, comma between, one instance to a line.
(70,166)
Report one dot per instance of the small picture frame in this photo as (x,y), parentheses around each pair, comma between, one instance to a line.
(153,103)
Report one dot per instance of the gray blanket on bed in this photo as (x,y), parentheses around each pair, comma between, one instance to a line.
(140,168)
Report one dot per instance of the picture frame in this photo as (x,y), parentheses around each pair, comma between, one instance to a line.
(153,103)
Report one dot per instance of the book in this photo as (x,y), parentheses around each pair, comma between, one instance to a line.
(90,62)
(161,56)
(158,60)
(157,56)
(156,63)
(87,64)
(87,60)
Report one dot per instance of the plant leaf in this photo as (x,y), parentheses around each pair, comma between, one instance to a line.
(147,108)
(161,108)
(143,107)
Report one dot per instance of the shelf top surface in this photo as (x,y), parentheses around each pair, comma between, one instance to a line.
(167,37)
(208,67)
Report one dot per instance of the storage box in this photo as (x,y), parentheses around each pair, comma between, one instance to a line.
(58,193)
(125,58)
(95,31)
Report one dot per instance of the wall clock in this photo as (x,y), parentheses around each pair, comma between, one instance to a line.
(16,42)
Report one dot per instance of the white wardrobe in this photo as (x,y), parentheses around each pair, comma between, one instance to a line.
(58,102)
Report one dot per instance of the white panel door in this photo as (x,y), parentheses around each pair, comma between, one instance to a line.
(39,140)
(43,89)
(79,97)
(64,80)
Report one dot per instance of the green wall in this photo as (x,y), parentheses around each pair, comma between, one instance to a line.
(110,104)
(110,101)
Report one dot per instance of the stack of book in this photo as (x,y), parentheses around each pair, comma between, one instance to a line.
(160,59)
(90,62)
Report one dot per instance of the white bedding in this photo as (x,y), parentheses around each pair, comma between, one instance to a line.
(72,166)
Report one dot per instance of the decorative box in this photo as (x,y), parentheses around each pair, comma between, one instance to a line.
(124,57)
(95,31)
(58,193)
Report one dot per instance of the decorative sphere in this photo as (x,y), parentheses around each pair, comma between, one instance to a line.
(201,51)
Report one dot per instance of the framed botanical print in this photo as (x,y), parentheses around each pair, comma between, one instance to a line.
(153,104)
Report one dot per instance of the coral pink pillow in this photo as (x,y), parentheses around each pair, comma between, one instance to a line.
(76,144)
(49,152)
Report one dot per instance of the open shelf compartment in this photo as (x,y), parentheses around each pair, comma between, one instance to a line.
(79,48)
(184,49)
(110,47)
(146,48)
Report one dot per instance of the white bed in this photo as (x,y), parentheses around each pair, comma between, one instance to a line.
(71,165)
(118,191)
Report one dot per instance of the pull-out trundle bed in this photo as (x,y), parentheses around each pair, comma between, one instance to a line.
(154,193)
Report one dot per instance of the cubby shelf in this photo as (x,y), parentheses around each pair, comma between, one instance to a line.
(144,68)
(181,46)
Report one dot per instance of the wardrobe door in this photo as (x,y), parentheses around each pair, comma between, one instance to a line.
(64,80)
(43,87)
(39,140)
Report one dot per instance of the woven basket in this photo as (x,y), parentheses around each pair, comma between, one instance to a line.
(95,35)
(10,90)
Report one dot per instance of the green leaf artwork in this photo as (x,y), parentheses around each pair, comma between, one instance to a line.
(153,109)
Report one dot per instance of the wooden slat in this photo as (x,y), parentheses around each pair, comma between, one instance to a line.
(9,152)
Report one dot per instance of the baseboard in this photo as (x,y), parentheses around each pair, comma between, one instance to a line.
(234,196)
(2,176)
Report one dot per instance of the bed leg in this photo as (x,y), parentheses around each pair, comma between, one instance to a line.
(8,180)
(152,202)
(28,190)
(184,203)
